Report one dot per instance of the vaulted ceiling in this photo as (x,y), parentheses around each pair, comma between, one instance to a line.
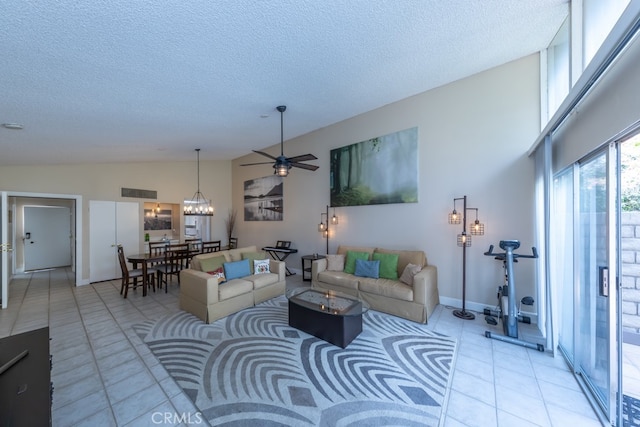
(148,80)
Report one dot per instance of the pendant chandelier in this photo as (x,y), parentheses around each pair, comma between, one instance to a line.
(199,205)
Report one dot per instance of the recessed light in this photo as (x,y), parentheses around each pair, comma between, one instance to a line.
(12,126)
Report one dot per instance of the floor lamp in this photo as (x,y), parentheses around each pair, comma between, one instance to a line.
(323,227)
(464,241)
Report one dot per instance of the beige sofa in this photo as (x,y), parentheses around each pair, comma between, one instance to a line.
(414,302)
(201,295)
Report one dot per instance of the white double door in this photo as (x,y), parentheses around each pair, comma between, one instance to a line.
(111,224)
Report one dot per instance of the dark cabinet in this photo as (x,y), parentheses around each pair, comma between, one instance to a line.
(25,379)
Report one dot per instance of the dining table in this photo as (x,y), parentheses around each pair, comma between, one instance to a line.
(144,259)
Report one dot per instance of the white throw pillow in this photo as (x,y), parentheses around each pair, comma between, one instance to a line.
(261,266)
(335,262)
(409,271)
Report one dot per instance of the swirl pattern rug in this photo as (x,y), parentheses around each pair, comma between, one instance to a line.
(252,368)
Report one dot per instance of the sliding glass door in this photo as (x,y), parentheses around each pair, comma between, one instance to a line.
(584,267)
(596,290)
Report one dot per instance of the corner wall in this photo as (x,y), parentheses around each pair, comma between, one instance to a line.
(473,137)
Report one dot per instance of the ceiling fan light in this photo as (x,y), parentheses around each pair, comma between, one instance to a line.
(281,169)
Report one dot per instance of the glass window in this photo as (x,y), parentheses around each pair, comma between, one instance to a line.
(558,77)
(599,17)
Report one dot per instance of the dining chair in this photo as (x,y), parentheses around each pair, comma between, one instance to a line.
(195,244)
(131,276)
(211,246)
(158,248)
(176,258)
(233,242)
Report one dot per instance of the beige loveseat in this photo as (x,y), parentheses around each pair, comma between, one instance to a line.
(414,302)
(201,295)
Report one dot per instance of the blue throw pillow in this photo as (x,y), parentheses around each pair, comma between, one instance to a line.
(367,268)
(236,269)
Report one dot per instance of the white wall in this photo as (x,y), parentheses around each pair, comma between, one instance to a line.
(174,182)
(473,137)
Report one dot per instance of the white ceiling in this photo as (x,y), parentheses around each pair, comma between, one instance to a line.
(149,80)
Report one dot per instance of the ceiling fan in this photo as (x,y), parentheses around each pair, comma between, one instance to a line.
(282,163)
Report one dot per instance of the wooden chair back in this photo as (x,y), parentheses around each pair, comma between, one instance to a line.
(212,246)
(233,242)
(158,248)
(123,263)
(195,245)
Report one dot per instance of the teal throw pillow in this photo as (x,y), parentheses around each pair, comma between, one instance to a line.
(388,265)
(212,264)
(237,269)
(350,262)
(367,268)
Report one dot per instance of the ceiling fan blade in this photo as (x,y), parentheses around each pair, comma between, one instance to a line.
(265,154)
(302,158)
(304,166)
(260,163)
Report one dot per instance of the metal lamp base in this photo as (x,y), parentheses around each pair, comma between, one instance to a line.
(464,314)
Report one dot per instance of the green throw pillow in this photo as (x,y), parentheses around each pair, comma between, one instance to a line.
(252,256)
(212,264)
(388,265)
(350,261)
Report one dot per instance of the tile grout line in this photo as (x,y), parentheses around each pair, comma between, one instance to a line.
(148,370)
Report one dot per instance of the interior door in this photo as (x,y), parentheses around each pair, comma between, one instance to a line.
(47,237)
(596,291)
(111,223)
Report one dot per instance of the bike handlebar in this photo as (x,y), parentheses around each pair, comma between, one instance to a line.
(501,255)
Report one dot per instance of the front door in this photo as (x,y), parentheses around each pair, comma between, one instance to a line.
(47,240)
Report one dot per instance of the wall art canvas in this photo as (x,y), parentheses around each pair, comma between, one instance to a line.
(158,220)
(263,199)
(377,171)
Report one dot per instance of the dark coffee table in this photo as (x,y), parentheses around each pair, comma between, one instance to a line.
(329,315)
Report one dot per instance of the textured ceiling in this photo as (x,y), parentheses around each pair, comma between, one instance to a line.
(148,80)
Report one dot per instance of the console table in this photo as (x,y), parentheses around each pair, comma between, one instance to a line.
(25,379)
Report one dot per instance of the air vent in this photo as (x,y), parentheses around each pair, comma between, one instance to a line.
(139,194)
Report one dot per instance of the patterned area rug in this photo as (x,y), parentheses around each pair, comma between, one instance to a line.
(630,411)
(252,368)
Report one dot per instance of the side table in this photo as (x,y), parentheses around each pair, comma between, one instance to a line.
(307,260)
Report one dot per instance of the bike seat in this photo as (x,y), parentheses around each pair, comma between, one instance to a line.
(514,244)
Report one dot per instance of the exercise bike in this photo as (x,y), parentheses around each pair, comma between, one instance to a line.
(507,310)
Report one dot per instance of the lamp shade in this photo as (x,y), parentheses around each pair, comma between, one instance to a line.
(476,228)
(455,217)
(464,240)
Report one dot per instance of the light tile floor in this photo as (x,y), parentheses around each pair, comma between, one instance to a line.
(105,376)
(631,370)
